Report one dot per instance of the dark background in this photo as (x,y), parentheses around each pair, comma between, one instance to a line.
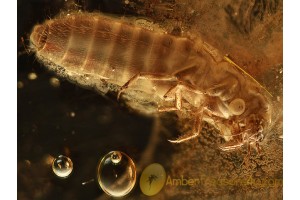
(46,128)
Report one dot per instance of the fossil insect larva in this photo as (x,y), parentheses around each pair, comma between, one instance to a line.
(185,74)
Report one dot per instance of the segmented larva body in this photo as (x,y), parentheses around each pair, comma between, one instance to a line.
(183,70)
(111,48)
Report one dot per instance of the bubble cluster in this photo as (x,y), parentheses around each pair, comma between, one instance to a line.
(62,166)
(116,174)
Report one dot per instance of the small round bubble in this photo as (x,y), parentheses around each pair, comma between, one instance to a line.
(20,84)
(54,82)
(116,174)
(116,157)
(62,166)
(32,76)
(72,114)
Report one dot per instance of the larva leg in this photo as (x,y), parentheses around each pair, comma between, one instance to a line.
(246,159)
(148,76)
(177,106)
(154,77)
(230,147)
(196,131)
(178,90)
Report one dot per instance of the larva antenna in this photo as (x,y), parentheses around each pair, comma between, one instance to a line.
(227,59)
(23,43)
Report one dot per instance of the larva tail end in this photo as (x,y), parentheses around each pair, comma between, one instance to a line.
(39,36)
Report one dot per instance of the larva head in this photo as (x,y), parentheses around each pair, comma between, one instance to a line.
(249,122)
(39,36)
(258,116)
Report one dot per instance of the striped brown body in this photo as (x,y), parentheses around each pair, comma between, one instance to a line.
(113,49)
(182,70)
